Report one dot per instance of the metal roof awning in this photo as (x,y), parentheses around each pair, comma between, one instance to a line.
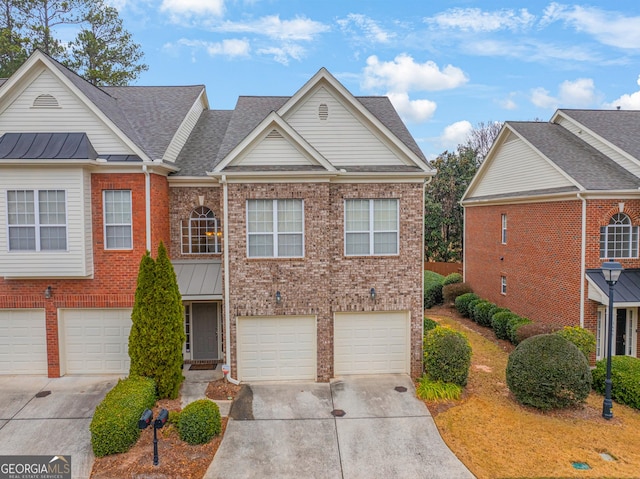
(626,292)
(199,280)
(48,146)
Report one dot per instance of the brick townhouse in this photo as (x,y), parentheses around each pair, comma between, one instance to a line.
(294,225)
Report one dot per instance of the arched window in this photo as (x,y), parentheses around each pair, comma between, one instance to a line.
(200,233)
(619,239)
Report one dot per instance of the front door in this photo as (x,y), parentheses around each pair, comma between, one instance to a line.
(620,338)
(205,330)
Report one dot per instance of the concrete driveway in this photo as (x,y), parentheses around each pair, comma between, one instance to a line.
(55,424)
(287,430)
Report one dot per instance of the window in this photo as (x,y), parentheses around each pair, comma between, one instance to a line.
(504,228)
(37,220)
(117,219)
(200,233)
(275,229)
(371,227)
(503,284)
(619,239)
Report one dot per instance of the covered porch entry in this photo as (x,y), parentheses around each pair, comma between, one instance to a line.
(200,284)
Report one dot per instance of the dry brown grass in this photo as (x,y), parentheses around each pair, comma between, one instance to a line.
(497,438)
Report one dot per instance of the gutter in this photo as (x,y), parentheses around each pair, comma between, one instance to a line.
(147,205)
(583,259)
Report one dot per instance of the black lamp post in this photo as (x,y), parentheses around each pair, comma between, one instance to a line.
(611,271)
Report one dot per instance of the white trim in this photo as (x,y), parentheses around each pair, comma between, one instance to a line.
(583,257)
(104,221)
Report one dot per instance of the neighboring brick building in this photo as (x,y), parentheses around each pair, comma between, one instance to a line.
(549,205)
(295,226)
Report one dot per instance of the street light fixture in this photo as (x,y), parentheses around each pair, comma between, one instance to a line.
(611,271)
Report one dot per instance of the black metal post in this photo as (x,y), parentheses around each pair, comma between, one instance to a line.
(607,405)
(155,446)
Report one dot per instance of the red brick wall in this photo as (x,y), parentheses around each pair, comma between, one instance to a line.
(115,271)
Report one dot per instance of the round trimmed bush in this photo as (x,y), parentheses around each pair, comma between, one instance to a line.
(478,309)
(513,324)
(432,295)
(533,329)
(429,324)
(472,306)
(462,303)
(447,356)
(583,338)
(452,279)
(451,291)
(499,323)
(548,372)
(625,379)
(199,421)
(482,313)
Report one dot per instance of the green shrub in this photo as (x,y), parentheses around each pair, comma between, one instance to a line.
(447,356)
(114,427)
(199,421)
(451,291)
(513,324)
(431,278)
(548,372)
(452,278)
(625,379)
(482,313)
(432,296)
(472,306)
(499,323)
(174,417)
(584,339)
(435,390)
(533,329)
(462,303)
(429,324)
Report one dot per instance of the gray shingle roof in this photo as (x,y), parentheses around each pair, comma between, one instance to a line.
(586,165)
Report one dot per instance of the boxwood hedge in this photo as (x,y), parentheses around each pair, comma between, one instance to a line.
(625,379)
(447,356)
(199,421)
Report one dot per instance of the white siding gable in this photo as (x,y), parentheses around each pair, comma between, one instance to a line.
(274,149)
(77,261)
(71,116)
(182,135)
(342,138)
(515,168)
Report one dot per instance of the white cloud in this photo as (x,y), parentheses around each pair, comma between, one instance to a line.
(476,20)
(455,134)
(283,53)
(373,33)
(403,74)
(415,111)
(508,103)
(628,101)
(188,8)
(298,29)
(229,47)
(608,27)
(571,94)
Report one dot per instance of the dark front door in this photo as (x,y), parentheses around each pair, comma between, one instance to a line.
(205,330)
(621,331)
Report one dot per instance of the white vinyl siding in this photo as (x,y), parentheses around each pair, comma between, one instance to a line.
(117,219)
(73,115)
(371,343)
(76,259)
(23,341)
(37,220)
(517,168)
(344,139)
(371,227)
(275,228)
(182,135)
(273,150)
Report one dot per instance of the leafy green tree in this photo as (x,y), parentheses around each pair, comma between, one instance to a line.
(104,52)
(157,335)
(13,51)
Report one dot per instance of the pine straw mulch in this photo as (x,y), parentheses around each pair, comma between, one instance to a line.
(177,459)
(496,437)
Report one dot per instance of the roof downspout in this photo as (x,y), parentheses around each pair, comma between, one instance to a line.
(583,259)
(225,251)
(147,205)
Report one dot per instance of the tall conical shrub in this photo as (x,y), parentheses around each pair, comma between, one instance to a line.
(143,329)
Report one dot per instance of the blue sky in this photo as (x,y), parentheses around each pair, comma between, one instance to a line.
(445,65)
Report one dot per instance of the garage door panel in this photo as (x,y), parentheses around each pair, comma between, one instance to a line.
(23,344)
(371,343)
(276,348)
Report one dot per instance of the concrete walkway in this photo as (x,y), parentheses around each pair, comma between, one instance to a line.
(287,430)
(195,385)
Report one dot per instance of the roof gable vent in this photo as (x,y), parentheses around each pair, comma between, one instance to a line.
(45,101)
(323,111)
(274,134)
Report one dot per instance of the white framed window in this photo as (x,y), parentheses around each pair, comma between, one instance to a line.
(37,220)
(504,228)
(371,227)
(275,228)
(503,284)
(619,239)
(117,219)
(201,233)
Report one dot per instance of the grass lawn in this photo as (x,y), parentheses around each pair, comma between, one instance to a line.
(497,438)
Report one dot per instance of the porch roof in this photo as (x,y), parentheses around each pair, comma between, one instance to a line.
(199,279)
(626,292)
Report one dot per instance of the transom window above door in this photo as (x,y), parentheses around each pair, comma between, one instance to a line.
(201,233)
(619,239)
(275,228)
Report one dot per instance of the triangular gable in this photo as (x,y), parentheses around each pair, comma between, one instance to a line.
(338,141)
(513,165)
(38,77)
(272,133)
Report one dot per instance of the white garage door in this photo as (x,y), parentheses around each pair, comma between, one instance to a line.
(23,341)
(95,340)
(277,348)
(371,343)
